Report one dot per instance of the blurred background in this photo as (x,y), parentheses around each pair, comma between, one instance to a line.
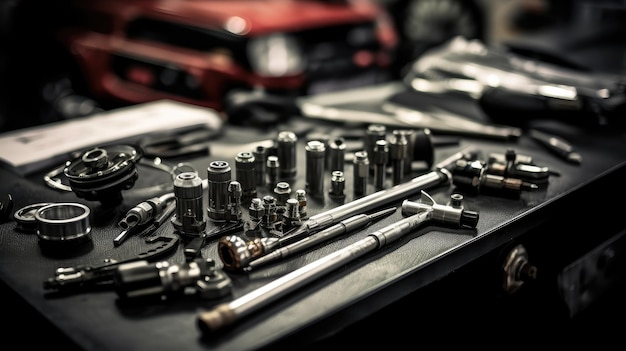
(64,59)
(68,58)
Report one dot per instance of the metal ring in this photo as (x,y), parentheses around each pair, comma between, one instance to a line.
(53,181)
(63,222)
(25,217)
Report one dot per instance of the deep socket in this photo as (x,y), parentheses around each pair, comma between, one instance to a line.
(234,201)
(286,152)
(380,158)
(315,170)
(245,174)
(406,134)
(336,154)
(260,154)
(188,218)
(218,177)
(398,148)
(271,167)
(374,133)
(361,169)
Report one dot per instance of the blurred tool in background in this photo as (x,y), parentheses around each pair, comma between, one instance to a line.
(369,49)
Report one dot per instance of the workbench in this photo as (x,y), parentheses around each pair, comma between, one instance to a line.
(558,223)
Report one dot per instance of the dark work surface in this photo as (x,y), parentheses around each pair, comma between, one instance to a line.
(563,221)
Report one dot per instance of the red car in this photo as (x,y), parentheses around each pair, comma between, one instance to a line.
(196,51)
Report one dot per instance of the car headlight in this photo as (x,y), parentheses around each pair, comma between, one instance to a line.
(276,55)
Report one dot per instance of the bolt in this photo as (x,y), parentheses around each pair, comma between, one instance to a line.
(272,170)
(456,200)
(302,202)
(256,209)
(337,184)
(282,191)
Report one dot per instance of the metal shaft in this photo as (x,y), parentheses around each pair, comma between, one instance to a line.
(228,313)
(348,225)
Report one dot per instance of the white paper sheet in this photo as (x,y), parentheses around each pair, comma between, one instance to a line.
(32,149)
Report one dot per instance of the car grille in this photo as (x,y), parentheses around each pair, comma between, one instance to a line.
(160,76)
(330,51)
(189,37)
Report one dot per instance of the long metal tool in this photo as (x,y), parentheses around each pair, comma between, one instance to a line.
(348,225)
(227,313)
(376,105)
